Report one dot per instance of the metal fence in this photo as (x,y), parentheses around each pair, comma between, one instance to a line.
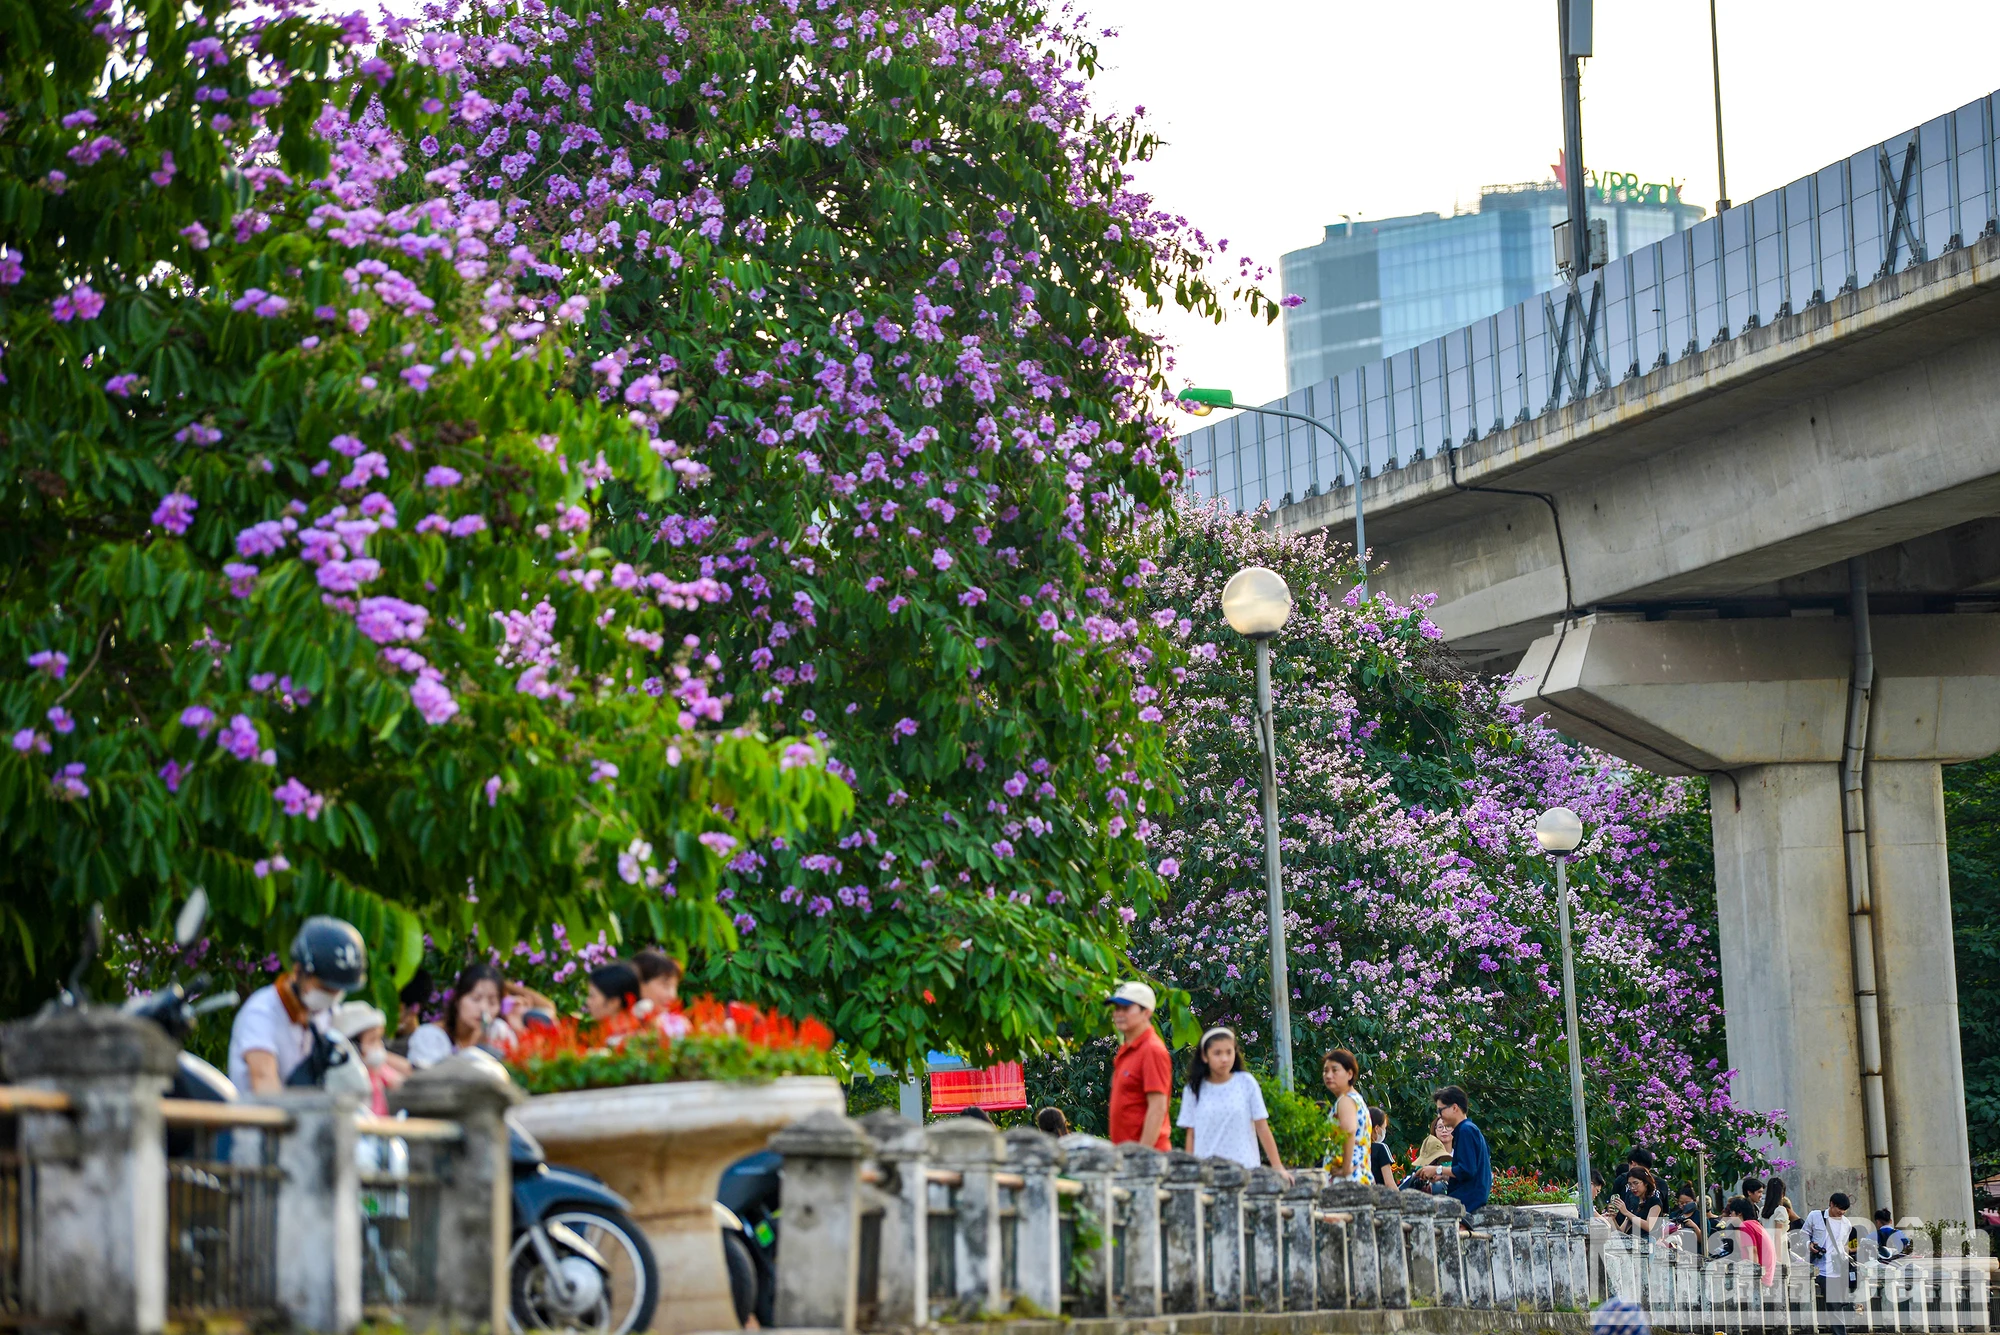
(401,1201)
(1892,205)
(222,1216)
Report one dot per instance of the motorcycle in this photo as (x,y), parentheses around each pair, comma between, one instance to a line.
(577,1261)
(746,1208)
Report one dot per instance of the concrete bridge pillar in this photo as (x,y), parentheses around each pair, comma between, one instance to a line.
(1760,707)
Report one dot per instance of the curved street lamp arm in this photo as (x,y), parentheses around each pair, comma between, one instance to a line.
(1360,525)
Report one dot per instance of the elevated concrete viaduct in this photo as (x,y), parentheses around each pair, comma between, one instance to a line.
(1672,567)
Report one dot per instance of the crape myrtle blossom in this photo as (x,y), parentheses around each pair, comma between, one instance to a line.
(342,352)
(1420,914)
(907,485)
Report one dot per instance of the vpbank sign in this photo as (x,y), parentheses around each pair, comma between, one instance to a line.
(1622,187)
(1627,187)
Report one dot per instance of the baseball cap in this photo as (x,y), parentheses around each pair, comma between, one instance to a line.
(1134,994)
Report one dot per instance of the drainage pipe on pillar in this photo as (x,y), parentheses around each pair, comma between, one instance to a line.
(1860,893)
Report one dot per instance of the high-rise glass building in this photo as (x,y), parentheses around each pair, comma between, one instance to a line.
(1375,288)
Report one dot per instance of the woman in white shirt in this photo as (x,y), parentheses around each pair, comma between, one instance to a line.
(1222,1107)
(471,1019)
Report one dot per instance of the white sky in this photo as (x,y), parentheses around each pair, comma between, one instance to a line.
(1280,115)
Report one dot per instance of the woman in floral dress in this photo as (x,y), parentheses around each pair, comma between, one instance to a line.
(1347,1161)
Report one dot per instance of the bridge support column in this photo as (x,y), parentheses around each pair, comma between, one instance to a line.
(1759,705)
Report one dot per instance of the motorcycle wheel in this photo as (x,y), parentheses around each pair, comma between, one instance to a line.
(743,1287)
(610,1303)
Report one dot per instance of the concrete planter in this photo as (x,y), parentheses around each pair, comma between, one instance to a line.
(663,1148)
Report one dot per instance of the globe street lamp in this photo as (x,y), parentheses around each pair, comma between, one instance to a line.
(1257,605)
(1202,402)
(1558,831)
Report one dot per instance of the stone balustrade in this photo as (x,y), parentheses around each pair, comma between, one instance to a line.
(958,1222)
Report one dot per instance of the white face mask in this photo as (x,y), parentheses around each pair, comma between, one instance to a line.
(318,999)
(374,1055)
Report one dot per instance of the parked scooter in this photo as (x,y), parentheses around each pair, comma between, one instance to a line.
(577,1262)
(746,1208)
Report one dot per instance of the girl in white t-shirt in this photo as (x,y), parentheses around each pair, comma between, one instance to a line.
(1222,1106)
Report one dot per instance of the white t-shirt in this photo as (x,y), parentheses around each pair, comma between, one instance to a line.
(1823,1230)
(429,1044)
(262,1025)
(1224,1118)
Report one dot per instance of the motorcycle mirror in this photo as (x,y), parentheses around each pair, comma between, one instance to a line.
(221,1001)
(193,914)
(93,940)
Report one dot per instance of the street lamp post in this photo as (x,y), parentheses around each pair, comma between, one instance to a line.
(1202,402)
(1558,831)
(1257,605)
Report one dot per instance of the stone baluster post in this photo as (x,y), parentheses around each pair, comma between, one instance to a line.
(1421,1232)
(1478,1245)
(1265,1283)
(902,1276)
(1922,1308)
(318,1220)
(1036,1158)
(1685,1269)
(818,1277)
(1452,1290)
(1659,1277)
(1597,1241)
(1364,1267)
(1331,1241)
(1141,1171)
(972,1149)
(1946,1315)
(1392,1249)
(1498,1223)
(1092,1163)
(1524,1266)
(1540,1260)
(1979,1280)
(1877,1306)
(99,1215)
(1562,1285)
(1753,1295)
(1301,1241)
(1579,1263)
(1888,1297)
(475,1210)
(1185,1242)
(1228,1243)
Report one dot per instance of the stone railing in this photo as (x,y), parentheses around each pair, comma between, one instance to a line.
(1943,1287)
(889,1225)
(122,1209)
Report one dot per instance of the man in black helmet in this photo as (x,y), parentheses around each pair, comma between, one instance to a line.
(276,1028)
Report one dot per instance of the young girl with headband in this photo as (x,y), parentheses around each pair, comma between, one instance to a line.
(1222,1107)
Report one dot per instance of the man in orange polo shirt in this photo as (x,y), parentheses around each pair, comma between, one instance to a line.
(1141,1073)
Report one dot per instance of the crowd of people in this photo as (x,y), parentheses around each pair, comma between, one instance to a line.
(1759,1224)
(301,1030)
(1223,1115)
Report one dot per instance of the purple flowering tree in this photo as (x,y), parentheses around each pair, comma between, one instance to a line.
(1420,914)
(306,597)
(885,259)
